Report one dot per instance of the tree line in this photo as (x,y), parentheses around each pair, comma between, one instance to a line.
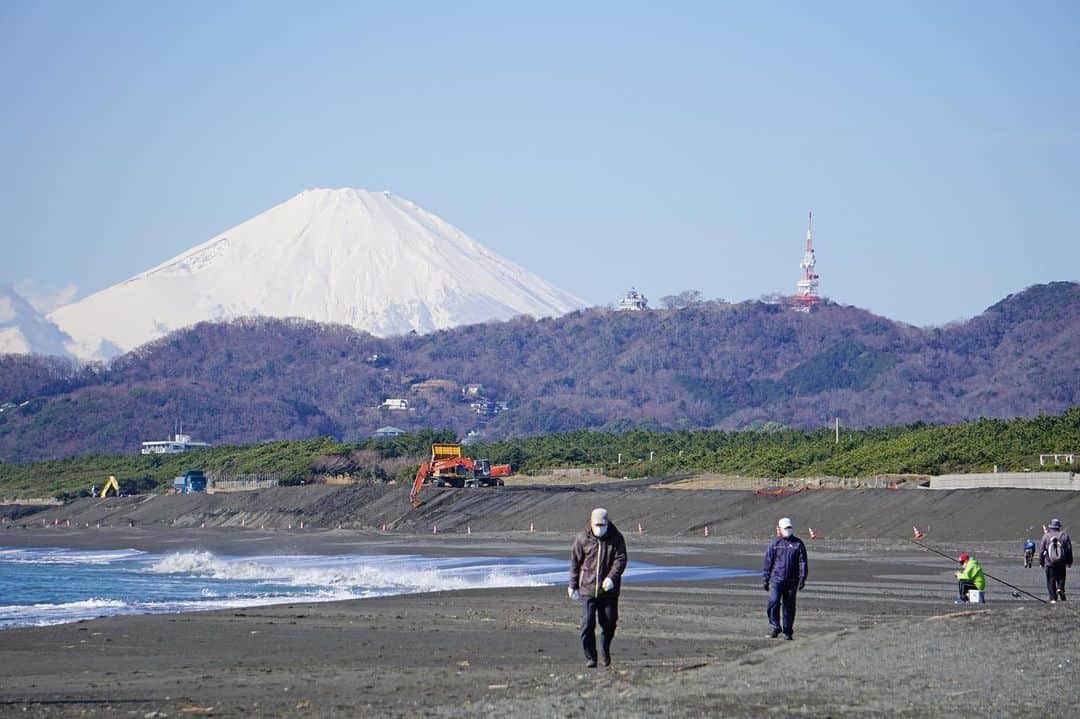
(1010,445)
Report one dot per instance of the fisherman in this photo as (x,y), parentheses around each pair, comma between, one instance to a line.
(597,562)
(1055,554)
(970,577)
(783,575)
(1029,552)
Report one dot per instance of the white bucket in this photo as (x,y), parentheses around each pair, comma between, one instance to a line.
(975,596)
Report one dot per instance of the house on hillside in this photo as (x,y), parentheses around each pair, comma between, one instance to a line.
(395,403)
(474,436)
(487,409)
(470,391)
(387,433)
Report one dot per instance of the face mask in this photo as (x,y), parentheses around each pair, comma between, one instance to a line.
(785,532)
(599,530)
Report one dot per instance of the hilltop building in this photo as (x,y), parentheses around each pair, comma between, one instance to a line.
(634,301)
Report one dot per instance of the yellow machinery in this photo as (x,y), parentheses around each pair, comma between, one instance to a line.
(111,484)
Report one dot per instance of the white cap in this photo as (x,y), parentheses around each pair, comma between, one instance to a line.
(598,517)
(784,523)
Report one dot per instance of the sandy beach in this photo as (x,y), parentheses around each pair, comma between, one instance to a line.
(876,634)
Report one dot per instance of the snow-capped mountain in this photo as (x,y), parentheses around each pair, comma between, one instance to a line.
(368,259)
(23,330)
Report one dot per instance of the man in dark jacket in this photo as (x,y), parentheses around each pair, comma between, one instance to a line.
(1055,554)
(597,561)
(783,575)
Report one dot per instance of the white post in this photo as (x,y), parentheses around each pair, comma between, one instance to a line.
(837,430)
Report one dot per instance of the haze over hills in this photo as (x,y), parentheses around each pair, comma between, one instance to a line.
(730,366)
(370,260)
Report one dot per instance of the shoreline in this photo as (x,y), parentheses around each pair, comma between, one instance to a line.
(683,649)
(877,633)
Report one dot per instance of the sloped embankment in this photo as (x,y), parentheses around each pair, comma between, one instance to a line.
(988,514)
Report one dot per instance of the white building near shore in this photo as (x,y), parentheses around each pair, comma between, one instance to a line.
(179,443)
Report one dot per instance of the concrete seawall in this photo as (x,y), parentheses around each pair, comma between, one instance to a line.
(1011,480)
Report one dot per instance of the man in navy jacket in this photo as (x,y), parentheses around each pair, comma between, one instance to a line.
(783,575)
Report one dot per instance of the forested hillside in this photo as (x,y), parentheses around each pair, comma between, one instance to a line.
(707,365)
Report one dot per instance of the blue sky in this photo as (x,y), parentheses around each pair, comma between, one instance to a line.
(668,146)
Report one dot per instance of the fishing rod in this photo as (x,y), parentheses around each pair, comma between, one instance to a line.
(985,573)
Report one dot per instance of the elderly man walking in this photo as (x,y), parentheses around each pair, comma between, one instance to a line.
(783,575)
(597,561)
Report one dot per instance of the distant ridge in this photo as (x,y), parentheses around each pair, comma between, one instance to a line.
(711,365)
(371,260)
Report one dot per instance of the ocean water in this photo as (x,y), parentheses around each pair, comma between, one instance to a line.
(43,586)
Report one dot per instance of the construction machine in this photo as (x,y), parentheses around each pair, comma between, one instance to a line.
(193,481)
(110,484)
(449,468)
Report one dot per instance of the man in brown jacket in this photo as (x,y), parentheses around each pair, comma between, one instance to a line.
(597,561)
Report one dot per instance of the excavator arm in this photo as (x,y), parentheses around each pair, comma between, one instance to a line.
(421,475)
(111,484)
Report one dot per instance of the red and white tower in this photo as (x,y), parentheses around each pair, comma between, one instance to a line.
(806,295)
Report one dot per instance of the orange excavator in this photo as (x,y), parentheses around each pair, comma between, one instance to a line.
(449,468)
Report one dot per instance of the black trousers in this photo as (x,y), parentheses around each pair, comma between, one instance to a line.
(604,610)
(1055,580)
(1029,554)
(965,587)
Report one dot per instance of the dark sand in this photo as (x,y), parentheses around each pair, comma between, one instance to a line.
(876,635)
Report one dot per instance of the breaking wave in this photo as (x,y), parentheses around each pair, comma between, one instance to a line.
(52,586)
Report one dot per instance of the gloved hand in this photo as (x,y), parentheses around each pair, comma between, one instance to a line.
(607,584)
(573,593)
(802,583)
(765,586)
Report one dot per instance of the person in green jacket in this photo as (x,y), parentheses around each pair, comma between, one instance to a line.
(970,577)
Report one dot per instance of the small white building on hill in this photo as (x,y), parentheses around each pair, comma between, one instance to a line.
(179,443)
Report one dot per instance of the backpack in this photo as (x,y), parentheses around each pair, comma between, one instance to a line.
(1055,551)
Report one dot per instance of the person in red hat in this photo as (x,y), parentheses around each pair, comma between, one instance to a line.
(970,577)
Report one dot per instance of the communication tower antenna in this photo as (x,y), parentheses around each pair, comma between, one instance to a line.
(806,295)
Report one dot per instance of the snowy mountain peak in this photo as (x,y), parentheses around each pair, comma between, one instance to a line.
(23,330)
(372,260)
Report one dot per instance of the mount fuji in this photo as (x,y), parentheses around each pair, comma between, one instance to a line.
(371,260)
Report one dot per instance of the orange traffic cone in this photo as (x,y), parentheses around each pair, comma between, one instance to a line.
(706,530)
(639,529)
(812,535)
(468,530)
(434,529)
(531,529)
(918,534)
